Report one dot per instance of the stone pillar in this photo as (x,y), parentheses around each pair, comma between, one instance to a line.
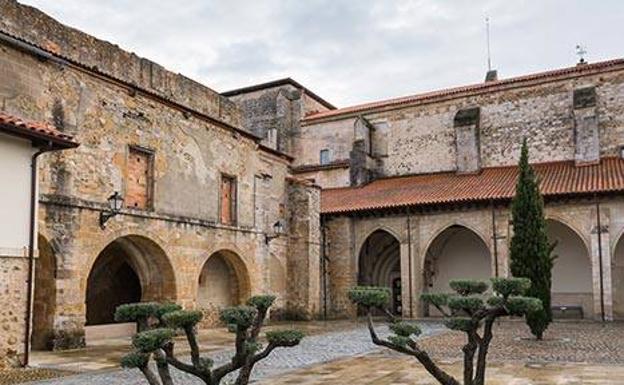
(342,266)
(410,269)
(502,239)
(600,250)
(303,264)
(467,143)
(586,133)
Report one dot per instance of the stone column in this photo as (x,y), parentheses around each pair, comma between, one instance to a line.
(342,266)
(304,249)
(600,250)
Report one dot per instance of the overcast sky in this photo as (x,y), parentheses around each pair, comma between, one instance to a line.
(350,51)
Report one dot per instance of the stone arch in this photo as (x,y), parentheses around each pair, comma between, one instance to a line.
(447,226)
(223,281)
(44,304)
(617,277)
(131,268)
(572,269)
(456,251)
(379,264)
(362,240)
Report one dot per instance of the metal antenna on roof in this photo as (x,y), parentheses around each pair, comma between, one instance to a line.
(487,37)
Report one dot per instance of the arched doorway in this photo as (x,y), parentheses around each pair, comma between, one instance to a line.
(617,279)
(379,264)
(129,269)
(456,253)
(44,305)
(571,273)
(223,282)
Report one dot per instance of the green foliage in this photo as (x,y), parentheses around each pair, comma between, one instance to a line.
(468,286)
(135,360)
(151,340)
(405,329)
(261,302)
(530,251)
(468,303)
(496,301)
(165,308)
(133,312)
(463,324)
(399,340)
(284,337)
(523,305)
(511,286)
(182,318)
(370,296)
(238,317)
(436,299)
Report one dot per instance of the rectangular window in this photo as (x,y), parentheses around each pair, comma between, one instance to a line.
(324,157)
(228,200)
(140,178)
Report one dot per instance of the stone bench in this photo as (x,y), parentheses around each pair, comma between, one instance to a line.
(567,311)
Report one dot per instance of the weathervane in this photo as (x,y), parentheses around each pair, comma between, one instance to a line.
(581,51)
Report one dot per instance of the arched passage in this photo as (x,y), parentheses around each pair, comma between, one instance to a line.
(223,281)
(457,252)
(379,264)
(572,272)
(617,277)
(129,269)
(44,305)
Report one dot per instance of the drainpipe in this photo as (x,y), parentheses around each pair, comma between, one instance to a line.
(409,262)
(31,249)
(495,240)
(599,230)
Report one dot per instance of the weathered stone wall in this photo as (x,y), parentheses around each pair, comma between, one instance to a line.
(274,112)
(330,178)
(336,136)
(34,26)
(422,138)
(192,144)
(13,289)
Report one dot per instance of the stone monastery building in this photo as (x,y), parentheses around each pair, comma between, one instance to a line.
(270,188)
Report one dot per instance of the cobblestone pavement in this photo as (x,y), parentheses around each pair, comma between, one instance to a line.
(570,342)
(106,354)
(571,354)
(388,369)
(313,350)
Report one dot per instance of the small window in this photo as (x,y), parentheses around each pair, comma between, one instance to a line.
(622,152)
(325,157)
(228,200)
(140,178)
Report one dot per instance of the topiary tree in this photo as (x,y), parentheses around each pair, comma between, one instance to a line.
(530,251)
(245,321)
(466,310)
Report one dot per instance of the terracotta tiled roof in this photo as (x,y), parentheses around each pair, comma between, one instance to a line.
(536,78)
(496,183)
(36,131)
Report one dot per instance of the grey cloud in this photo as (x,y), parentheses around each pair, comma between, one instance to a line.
(350,51)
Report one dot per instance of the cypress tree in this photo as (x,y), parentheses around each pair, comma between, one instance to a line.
(530,251)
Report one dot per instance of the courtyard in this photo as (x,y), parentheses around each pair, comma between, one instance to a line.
(340,352)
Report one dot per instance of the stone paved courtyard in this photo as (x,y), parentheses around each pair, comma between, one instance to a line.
(573,353)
